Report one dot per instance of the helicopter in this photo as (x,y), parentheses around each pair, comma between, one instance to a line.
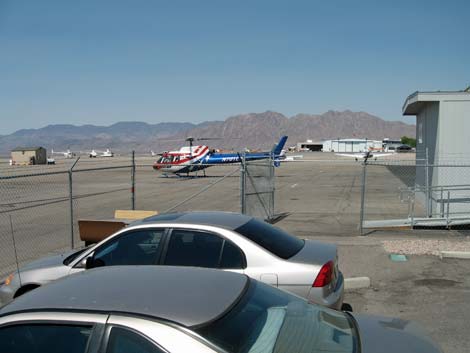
(194,158)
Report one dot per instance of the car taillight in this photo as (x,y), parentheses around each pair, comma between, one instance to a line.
(325,275)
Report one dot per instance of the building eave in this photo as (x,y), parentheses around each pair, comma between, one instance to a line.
(417,100)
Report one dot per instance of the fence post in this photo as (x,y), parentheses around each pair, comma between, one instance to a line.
(133,181)
(426,176)
(243,184)
(448,208)
(442,202)
(363,196)
(272,181)
(72,240)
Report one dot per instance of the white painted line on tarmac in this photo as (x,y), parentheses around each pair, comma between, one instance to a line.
(454,254)
(356,283)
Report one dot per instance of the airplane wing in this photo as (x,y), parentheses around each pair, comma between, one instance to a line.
(293,158)
(380,155)
(352,155)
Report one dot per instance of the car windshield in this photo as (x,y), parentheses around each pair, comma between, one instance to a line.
(271,238)
(267,320)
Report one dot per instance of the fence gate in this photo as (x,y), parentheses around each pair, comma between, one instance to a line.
(257,188)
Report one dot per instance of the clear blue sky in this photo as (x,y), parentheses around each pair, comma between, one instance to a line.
(101,62)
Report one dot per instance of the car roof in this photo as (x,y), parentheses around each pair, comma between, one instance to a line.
(228,220)
(185,295)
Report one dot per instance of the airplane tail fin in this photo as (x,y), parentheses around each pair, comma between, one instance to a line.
(277,149)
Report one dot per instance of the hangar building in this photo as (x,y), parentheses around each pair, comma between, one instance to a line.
(28,156)
(351,145)
(442,138)
(310,145)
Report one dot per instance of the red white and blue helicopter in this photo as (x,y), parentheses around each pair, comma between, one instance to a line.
(194,158)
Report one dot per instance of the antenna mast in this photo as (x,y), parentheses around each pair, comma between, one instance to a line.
(14,248)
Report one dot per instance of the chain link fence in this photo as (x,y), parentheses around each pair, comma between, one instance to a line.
(171,193)
(40,205)
(34,216)
(321,195)
(414,193)
(257,188)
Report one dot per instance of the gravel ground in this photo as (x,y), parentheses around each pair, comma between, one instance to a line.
(425,246)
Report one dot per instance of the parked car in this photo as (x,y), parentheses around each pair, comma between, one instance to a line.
(403,148)
(179,310)
(222,240)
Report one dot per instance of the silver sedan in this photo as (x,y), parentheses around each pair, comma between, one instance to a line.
(228,241)
(179,310)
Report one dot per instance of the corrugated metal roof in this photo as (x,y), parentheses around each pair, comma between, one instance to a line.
(17,149)
(358,140)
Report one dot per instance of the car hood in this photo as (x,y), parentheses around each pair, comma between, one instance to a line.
(46,262)
(390,335)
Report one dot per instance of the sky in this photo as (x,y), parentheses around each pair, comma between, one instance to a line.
(100,62)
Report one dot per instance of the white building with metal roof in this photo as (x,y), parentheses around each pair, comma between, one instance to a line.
(351,145)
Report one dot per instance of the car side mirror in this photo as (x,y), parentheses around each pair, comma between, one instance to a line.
(90,262)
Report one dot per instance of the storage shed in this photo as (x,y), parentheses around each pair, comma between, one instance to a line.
(442,146)
(28,156)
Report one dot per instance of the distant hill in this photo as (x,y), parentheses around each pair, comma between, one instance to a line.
(123,136)
(254,130)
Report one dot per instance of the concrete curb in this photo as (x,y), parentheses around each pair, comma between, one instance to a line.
(454,254)
(356,283)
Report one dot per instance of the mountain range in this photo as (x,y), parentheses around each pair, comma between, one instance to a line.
(253,130)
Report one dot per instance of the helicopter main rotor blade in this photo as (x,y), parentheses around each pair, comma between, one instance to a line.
(217,138)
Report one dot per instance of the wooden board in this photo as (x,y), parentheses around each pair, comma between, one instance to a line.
(133,214)
(93,231)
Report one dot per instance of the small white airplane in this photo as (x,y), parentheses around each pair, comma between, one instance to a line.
(92,154)
(96,153)
(66,154)
(365,155)
(107,153)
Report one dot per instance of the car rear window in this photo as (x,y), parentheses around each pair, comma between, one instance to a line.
(269,320)
(273,239)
